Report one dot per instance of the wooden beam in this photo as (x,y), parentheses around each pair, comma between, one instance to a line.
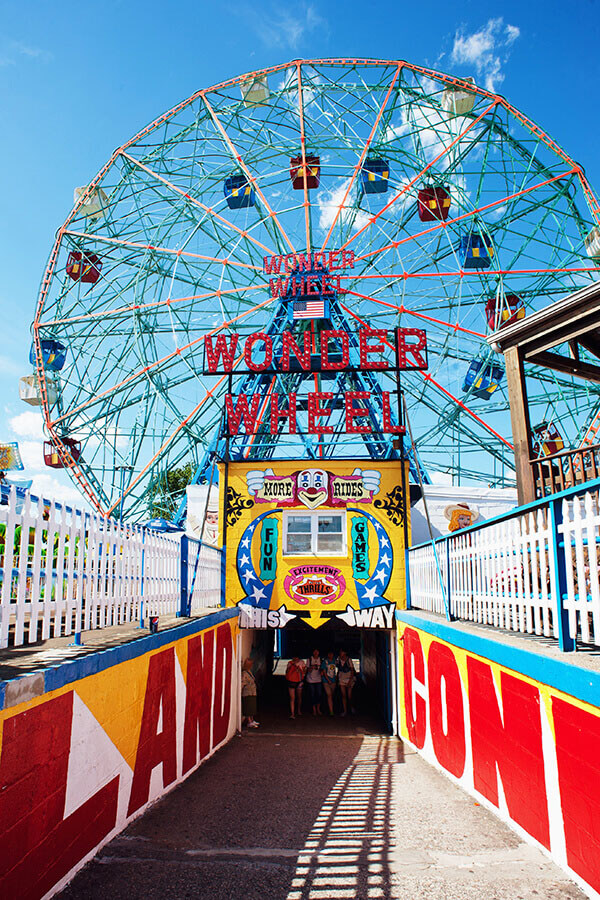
(590,342)
(564,364)
(519,418)
(561,331)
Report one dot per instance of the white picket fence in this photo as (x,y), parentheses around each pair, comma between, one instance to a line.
(534,570)
(64,570)
(204,575)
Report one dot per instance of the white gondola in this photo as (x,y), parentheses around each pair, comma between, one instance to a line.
(255,91)
(95,205)
(592,243)
(29,391)
(458,102)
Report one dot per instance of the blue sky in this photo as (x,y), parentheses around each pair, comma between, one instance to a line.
(78,79)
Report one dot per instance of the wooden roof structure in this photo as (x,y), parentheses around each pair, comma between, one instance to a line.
(574,322)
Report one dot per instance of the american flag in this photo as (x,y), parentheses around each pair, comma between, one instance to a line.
(308,309)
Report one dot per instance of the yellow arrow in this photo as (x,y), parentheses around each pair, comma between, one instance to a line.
(314,618)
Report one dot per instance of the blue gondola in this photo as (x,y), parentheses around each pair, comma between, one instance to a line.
(482,378)
(475,251)
(53,354)
(375,176)
(238,192)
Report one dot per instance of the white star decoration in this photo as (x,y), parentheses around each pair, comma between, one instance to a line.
(371,593)
(247,576)
(244,560)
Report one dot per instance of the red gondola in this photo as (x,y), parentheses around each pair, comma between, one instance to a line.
(84,266)
(313,172)
(510,311)
(51,456)
(433,203)
(546,439)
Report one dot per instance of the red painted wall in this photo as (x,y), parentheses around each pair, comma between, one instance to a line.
(488,726)
(76,765)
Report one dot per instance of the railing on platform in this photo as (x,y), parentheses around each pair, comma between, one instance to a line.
(64,570)
(203,565)
(533,569)
(569,468)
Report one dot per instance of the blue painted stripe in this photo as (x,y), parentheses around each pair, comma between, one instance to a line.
(563,675)
(58,676)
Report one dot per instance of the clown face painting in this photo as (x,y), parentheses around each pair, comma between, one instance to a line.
(312,487)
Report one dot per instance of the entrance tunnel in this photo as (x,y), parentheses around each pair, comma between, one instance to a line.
(372,654)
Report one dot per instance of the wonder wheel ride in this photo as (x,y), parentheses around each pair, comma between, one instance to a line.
(458,212)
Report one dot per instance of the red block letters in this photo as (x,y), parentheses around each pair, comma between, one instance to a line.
(156,747)
(510,742)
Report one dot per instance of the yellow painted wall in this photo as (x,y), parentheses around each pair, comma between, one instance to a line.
(372,498)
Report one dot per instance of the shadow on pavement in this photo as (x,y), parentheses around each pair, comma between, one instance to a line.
(294,809)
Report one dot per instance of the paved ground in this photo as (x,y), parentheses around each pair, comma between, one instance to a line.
(318,809)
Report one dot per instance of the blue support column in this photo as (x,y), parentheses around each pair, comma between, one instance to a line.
(183,578)
(565,639)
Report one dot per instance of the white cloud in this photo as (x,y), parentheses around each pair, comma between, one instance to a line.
(512,33)
(487,50)
(47,486)
(329,203)
(28,424)
(290,29)
(277,26)
(13,51)
(32,454)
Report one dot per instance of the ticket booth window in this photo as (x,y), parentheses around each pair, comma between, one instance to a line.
(315,534)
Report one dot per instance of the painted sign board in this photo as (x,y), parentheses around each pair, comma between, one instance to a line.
(315,541)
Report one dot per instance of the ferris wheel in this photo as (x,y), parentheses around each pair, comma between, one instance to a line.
(458,213)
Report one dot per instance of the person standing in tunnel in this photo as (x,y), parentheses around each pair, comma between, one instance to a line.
(329,678)
(248,695)
(294,677)
(346,675)
(313,680)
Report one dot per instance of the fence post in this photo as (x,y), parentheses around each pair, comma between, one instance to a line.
(183,577)
(449,615)
(566,640)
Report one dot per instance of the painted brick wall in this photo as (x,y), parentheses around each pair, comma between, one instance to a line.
(519,731)
(78,762)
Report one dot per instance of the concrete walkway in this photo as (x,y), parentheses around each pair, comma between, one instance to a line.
(320,809)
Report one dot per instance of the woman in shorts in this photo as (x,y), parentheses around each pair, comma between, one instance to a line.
(345,675)
(313,681)
(294,677)
(329,678)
